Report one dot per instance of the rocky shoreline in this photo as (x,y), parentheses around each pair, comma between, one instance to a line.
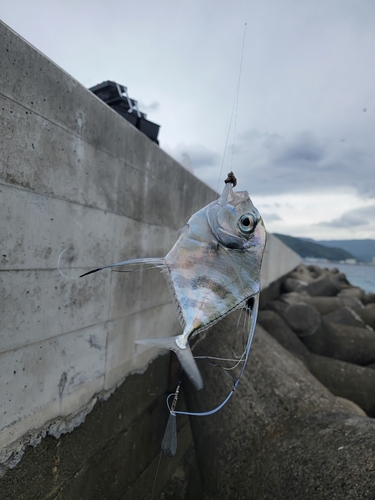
(329,325)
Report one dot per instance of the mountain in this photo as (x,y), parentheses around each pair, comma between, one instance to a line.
(308,248)
(363,250)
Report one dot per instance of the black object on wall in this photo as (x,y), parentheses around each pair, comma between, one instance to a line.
(116,96)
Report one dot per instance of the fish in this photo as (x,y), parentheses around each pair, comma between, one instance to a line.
(212,270)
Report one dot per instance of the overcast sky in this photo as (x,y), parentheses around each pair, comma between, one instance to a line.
(304,142)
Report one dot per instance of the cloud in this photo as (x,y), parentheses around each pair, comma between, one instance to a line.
(148,108)
(304,147)
(362,216)
(270,217)
(194,156)
(307,162)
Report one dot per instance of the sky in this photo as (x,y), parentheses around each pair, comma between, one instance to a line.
(296,119)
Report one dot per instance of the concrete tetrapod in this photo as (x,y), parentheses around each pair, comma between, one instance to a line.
(346,380)
(347,343)
(283,434)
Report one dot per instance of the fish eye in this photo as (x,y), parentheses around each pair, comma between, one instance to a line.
(246,223)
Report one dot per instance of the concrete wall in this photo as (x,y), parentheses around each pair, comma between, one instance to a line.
(74,174)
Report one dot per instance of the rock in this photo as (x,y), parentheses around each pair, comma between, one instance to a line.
(304,319)
(282,435)
(326,305)
(347,343)
(369,298)
(294,297)
(325,286)
(274,324)
(342,280)
(367,314)
(353,292)
(345,316)
(303,273)
(350,406)
(319,341)
(277,306)
(346,380)
(316,271)
(292,285)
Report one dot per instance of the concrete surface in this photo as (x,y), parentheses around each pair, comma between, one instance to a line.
(114,454)
(282,435)
(75,175)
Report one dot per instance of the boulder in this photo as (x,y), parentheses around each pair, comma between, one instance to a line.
(282,434)
(346,380)
(304,319)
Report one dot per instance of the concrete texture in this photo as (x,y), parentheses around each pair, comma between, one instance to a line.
(282,435)
(75,175)
(114,454)
(278,260)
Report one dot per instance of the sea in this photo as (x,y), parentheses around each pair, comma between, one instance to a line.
(361,275)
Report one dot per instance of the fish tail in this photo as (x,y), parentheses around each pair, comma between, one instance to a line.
(185,356)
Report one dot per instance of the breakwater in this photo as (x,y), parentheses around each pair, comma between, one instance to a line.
(360,275)
(299,424)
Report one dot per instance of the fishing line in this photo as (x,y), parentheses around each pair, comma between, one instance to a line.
(254,315)
(156,476)
(234,112)
(59,269)
(238,95)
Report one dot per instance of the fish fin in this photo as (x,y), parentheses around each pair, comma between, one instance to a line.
(185,356)
(182,230)
(157,262)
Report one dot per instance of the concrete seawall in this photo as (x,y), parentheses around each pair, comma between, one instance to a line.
(75,175)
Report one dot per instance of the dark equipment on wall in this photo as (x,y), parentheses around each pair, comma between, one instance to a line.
(116,96)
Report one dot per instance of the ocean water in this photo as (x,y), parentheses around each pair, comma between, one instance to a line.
(360,275)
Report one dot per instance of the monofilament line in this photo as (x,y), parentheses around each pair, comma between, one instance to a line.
(238,96)
(156,476)
(234,112)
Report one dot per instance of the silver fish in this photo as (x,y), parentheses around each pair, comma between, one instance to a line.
(213,269)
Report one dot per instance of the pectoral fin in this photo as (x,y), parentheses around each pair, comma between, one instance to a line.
(185,357)
(156,262)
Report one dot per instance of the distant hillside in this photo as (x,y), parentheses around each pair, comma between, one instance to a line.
(307,248)
(363,250)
